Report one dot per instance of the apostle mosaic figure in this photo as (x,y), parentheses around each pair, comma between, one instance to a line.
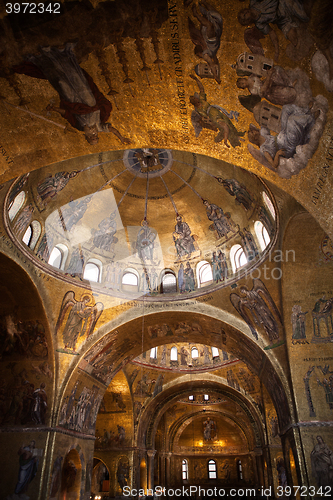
(76,263)
(249,245)
(322,463)
(74,212)
(39,405)
(298,322)
(181,282)
(28,467)
(49,188)
(189,280)
(328,388)
(183,238)
(209,432)
(239,191)
(322,310)
(145,241)
(222,264)
(215,268)
(23,219)
(221,222)
(45,246)
(104,237)
(219,266)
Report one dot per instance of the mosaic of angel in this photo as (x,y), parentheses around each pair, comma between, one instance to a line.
(77,318)
(258,309)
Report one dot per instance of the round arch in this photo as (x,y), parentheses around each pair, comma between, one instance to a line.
(119,348)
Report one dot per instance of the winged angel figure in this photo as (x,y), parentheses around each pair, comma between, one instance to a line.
(257,308)
(79,318)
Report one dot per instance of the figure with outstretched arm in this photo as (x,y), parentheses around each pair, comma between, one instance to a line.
(82,104)
(214,117)
(91,132)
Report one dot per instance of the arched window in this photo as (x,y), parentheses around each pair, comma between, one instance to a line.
(185,469)
(212,470)
(215,352)
(237,257)
(27,237)
(262,234)
(16,205)
(130,278)
(36,230)
(58,256)
(239,469)
(153,353)
(32,234)
(93,270)
(206,397)
(269,204)
(169,283)
(194,353)
(191,397)
(55,258)
(174,354)
(204,273)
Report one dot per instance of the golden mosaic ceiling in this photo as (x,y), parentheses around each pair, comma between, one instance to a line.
(180,75)
(147,212)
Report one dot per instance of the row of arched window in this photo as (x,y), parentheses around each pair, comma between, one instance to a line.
(92,270)
(211,469)
(174,353)
(130,279)
(192,397)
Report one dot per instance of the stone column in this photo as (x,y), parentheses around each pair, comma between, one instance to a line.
(150,467)
(162,469)
(167,468)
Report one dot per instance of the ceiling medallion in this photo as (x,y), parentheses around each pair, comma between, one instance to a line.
(148,162)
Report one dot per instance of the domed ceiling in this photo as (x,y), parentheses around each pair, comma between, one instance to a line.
(143,221)
(91,76)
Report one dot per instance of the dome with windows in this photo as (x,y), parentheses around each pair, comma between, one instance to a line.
(184,357)
(143,222)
